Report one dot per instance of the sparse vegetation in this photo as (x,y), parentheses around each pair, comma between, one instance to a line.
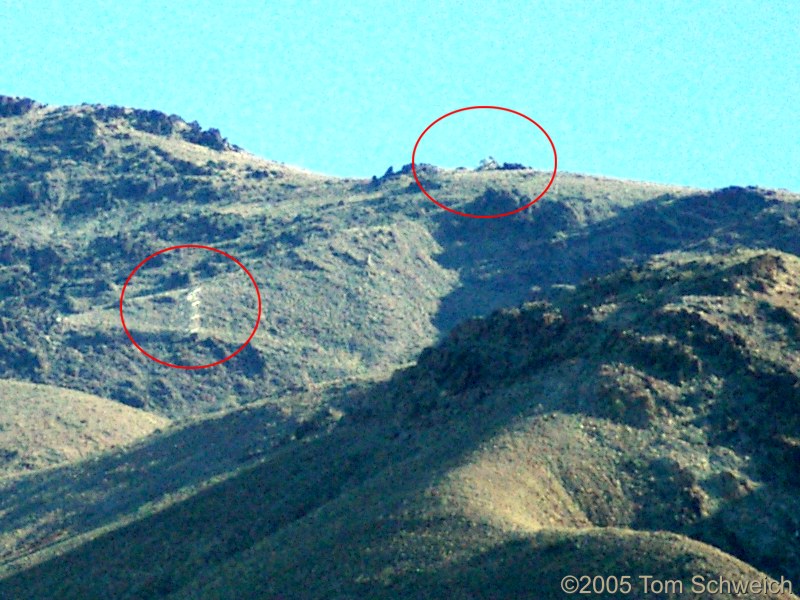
(386,434)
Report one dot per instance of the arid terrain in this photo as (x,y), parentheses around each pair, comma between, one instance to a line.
(607,383)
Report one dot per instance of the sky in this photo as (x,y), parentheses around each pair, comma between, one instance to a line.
(705,94)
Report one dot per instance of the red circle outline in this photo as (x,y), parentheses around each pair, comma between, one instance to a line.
(166,364)
(463,214)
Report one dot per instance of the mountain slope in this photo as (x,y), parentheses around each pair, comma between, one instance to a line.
(536,442)
(43,426)
(68,504)
(356,276)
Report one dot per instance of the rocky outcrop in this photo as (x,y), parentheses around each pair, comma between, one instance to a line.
(11,106)
(159,123)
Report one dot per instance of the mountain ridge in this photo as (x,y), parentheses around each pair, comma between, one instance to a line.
(443,460)
(297,230)
(44,426)
(432,405)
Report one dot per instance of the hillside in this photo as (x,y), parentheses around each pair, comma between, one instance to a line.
(65,505)
(44,426)
(645,422)
(357,276)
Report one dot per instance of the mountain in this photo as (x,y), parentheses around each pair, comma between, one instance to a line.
(605,383)
(551,439)
(356,276)
(48,510)
(43,426)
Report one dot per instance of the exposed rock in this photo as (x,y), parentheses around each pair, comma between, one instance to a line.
(210,138)
(159,123)
(488,164)
(13,107)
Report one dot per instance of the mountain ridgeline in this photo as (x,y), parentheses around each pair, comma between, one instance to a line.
(607,383)
(356,277)
(534,443)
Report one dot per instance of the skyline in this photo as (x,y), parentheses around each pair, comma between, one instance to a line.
(703,96)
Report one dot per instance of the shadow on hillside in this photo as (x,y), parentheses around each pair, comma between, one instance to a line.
(176,460)
(214,526)
(514,569)
(760,528)
(499,259)
(210,528)
(535,567)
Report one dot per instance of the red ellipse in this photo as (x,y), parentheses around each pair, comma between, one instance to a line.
(166,364)
(463,214)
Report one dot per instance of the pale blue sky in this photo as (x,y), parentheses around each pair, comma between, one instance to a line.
(697,93)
